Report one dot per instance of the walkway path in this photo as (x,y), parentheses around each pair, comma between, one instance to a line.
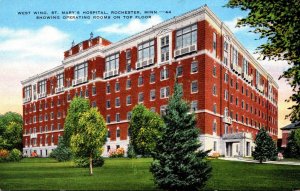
(255,161)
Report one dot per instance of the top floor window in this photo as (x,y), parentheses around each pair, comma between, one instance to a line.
(164,42)
(186,36)
(27,91)
(81,71)
(42,86)
(146,50)
(60,80)
(112,62)
(215,44)
(245,66)
(235,56)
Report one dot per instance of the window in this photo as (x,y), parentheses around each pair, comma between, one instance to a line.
(52,127)
(215,146)
(164,92)
(194,87)
(58,115)
(152,109)
(235,56)
(214,126)
(27,91)
(80,71)
(164,42)
(194,67)
(128,60)
(107,103)
(128,100)
(179,71)
(236,101)
(117,117)
(152,77)
(117,102)
(226,77)
(68,97)
(242,104)
(140,80)
(108,119)
(117,87)
(52,115)
(186,36)
(194,105)
(214,44)
(236,86)
(128,84)
(93,75)
(141,97)
(112,63)
(152,95)
(60,80)
(94,92)
(163,110)
(94,104)
(226,95)
(164,74)
(86,93)
(245,66)
(225,58)
(129,114)
(46,117)
(42,87)
(215,71)
(118,133)
(146,50)
(107,88)
(215,108)
(214,90)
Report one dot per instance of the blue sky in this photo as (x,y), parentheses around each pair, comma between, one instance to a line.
(29,46)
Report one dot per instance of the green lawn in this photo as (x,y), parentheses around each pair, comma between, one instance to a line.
(126,174)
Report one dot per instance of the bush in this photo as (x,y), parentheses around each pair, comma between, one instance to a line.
(117,153)
(15,155)
(62,152)
(4,155)
(130,152)
(85,163)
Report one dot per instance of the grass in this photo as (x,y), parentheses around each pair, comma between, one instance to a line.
(133,174)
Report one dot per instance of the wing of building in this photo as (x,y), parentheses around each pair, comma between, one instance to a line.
(230,92)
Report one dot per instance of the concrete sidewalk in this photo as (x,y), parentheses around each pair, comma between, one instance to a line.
(255,161)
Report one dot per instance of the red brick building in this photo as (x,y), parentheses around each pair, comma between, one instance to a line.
(230,92)
(286,131)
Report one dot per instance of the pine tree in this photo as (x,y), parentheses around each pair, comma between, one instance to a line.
(179,163)
(265,148)
(292,149)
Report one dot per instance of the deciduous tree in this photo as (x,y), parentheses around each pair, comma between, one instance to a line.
(279,23)
(90,136)
(144,128)
(77,106)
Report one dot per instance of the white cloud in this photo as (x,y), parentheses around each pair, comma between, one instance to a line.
(232,25)
(24,53)
(134,26)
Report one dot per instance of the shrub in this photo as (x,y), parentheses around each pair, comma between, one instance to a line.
(130,152)
(84,162)
(117,153)
(4,155)
(15,155)
(62,152)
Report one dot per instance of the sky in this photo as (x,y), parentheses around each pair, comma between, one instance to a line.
(31,43)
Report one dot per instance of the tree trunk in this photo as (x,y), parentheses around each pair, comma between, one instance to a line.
(91,165)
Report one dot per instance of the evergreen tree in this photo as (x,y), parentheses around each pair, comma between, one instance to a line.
(178,163)
(61,152)
(265,148)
